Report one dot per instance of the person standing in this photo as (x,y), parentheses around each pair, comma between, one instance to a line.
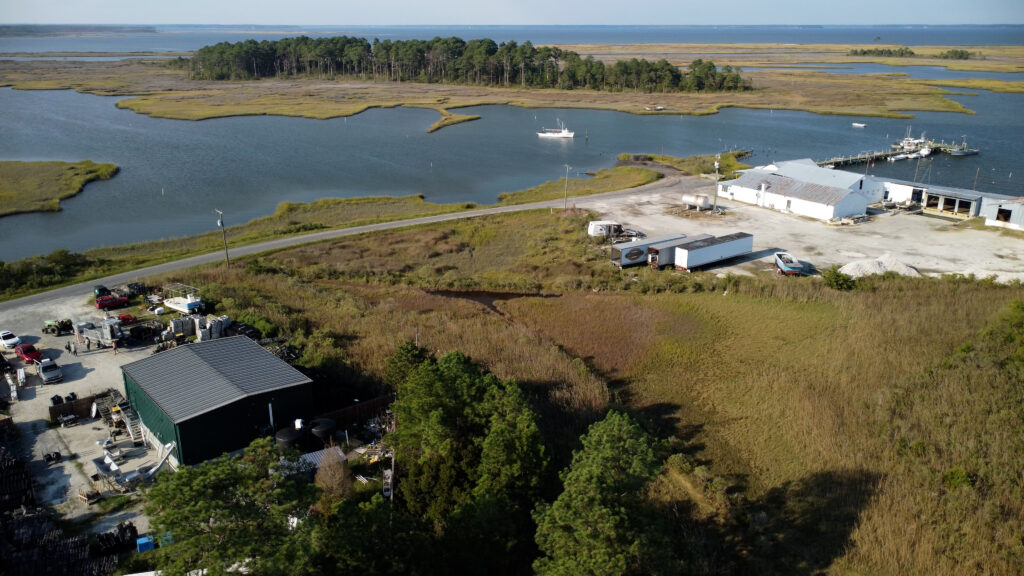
(114,346)
(74,349)
(67,346)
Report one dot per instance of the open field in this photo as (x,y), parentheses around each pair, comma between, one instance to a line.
(40,186)
(153,88)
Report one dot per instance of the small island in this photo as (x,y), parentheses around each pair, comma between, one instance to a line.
(40,186)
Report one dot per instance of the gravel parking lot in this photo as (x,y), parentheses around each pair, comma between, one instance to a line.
(90,372)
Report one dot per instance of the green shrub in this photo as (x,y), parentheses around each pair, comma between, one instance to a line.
(955,478)
(837,280)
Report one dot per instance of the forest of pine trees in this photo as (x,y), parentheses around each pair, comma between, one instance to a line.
(453,61)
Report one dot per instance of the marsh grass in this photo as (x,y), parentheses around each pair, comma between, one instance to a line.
(40,186)
(818,429)
(605,180)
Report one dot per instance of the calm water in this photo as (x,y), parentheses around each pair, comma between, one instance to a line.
(183,38)
(174,173)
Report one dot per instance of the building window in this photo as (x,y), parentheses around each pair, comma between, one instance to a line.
(916,195)
(1003,215)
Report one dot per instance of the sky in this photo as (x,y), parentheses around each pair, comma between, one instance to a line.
(514,12)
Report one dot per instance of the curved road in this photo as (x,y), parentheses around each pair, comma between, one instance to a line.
(680,183)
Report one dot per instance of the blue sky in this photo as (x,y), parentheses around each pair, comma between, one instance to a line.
(462,12)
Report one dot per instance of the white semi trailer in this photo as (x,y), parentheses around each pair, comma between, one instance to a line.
(714,249)
(664,253)
(625,254)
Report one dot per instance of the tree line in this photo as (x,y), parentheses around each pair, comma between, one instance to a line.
(452,60)
(475,495)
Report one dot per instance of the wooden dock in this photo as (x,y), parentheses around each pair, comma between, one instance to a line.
(885,155)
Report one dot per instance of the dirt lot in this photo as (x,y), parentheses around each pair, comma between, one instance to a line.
(88,373)
(932,245)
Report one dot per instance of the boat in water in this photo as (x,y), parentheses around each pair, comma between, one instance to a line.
(858,125)
(788,264)
(963,150)
(560,132)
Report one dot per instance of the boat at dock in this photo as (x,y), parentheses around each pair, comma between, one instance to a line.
(788,264)
(962,149)
(560,132)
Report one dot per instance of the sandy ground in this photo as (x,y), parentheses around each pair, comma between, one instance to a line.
(94,371)
(932,245)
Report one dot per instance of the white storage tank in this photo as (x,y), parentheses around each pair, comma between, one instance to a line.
(700,201)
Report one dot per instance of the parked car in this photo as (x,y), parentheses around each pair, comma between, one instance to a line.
(108,302)
(8,340)
(100,290)
(49,371)
(28,353)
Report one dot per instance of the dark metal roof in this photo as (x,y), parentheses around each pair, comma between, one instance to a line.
(196,378)
(714,241)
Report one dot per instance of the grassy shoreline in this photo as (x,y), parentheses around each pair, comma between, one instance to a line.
(288,220)
(154,88)
(40,186)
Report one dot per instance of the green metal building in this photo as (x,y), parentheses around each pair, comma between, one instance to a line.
(214,397)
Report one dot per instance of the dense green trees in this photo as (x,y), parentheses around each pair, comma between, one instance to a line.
(452,60)
(902,51)
(602,523)
(470,494)
(230,510)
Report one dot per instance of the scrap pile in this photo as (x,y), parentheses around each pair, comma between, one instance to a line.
(32,543)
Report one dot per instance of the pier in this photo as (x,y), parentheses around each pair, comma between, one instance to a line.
(886,155)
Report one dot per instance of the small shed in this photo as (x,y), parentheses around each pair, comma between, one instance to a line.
(214,397)
(1003,212)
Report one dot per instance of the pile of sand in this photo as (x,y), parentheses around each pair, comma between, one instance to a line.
(881,265)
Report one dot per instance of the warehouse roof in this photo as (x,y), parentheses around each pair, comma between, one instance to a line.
(191,380)
(806,170)
(783,186)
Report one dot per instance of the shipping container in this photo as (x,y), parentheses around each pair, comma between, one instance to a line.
(714,249)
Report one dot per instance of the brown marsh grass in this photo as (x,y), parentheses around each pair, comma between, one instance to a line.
(872,431)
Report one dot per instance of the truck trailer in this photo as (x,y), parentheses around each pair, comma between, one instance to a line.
(625,254)
(664,254)
(711,250)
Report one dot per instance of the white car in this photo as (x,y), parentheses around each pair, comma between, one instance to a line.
(8,340)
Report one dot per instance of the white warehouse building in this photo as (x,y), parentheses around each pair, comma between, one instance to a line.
(786,194)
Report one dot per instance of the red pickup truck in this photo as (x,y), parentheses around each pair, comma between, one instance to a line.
(107,302)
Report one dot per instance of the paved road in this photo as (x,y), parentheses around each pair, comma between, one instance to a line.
(669,183)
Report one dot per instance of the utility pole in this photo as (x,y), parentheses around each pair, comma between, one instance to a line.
(224,235)
(715,207)
(565,195)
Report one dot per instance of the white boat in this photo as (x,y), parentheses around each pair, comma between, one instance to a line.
(924,151)
(560,132)
(858,125)
(898,157)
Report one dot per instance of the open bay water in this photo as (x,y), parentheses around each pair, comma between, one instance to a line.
(186,38)
(174,173)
